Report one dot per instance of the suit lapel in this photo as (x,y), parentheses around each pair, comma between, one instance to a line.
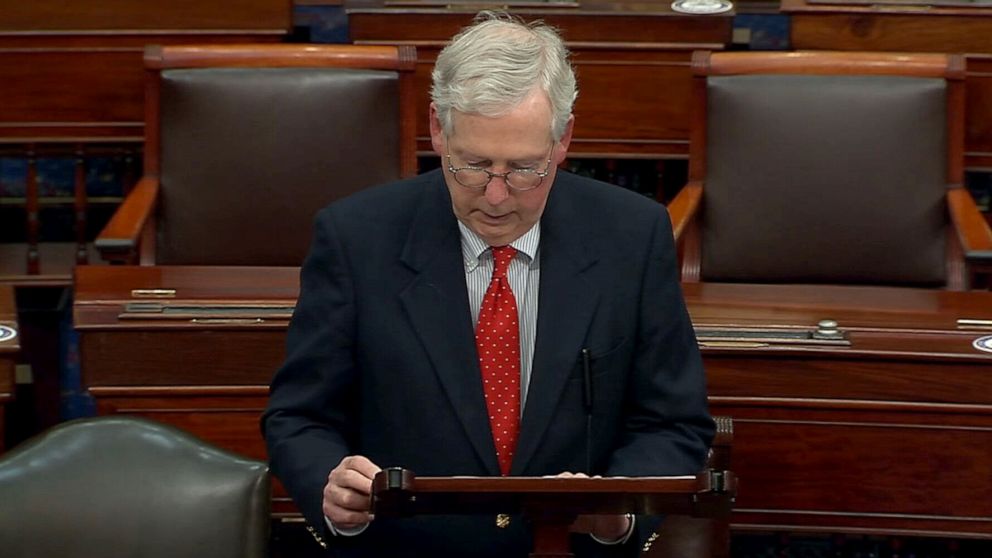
(567,301)
(436,303)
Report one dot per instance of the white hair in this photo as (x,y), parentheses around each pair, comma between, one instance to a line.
(494,64)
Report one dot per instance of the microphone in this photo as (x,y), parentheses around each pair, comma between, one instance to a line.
(587,404)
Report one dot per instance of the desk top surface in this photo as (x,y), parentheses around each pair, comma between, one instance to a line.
(97,284)
(887,323)
(903,321)
(863,307)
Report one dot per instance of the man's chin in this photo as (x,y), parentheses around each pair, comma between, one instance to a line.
(495,235)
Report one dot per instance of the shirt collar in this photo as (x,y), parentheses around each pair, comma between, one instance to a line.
(473,247)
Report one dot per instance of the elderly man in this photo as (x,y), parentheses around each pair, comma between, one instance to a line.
(457,323)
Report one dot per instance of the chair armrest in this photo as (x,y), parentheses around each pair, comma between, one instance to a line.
(972,229)
(683,208)
(119,240)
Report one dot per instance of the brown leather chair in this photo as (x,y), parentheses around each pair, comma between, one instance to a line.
(118,486)
(825,167)
(245,143)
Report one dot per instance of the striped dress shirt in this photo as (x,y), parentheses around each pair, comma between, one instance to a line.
(525,277)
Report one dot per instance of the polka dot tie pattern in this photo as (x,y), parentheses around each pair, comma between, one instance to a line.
(497,338)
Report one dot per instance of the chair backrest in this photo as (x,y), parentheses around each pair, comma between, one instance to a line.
(823,167)
(249,142)
(118,486)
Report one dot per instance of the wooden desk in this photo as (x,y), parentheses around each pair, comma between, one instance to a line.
(889,434)
(631,59)
(886,27)
(207,374)
(9,348)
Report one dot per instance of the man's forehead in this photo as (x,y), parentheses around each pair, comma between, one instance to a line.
(468,129)
(502,153)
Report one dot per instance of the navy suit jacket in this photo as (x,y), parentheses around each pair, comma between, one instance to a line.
(381,357)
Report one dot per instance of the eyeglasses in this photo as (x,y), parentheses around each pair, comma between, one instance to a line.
(520,180)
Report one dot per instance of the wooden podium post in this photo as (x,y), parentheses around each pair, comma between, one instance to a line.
(552,503)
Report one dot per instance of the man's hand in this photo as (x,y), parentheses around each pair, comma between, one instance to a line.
(603,527)
(347,492)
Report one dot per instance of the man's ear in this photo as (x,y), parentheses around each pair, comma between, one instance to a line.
(566,139)
(437,133)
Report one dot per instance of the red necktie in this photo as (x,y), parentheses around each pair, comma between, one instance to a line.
(498,341)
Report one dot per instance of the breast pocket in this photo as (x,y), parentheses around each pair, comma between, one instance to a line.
(610,360)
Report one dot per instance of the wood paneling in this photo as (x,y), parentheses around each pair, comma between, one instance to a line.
(889,27)
(635,52)
(81,88)
(228,418)
(73,71)
(135,358)
(39,104)
(58,15)
(834,470)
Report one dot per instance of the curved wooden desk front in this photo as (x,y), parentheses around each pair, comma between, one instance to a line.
(884,431)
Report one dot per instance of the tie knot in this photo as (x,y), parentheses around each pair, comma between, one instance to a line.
(501,259)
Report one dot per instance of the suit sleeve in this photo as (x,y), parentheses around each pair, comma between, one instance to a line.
(667,428)
(312,410)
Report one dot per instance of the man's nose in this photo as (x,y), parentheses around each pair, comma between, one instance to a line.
(497,190)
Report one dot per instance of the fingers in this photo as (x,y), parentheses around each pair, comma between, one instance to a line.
(570,475)
(346,494)
(361,465)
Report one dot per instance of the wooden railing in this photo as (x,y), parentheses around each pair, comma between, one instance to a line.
(29,255)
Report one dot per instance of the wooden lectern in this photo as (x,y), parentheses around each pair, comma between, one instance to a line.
(551,504)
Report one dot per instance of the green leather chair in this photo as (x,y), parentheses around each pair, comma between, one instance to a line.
(128,487)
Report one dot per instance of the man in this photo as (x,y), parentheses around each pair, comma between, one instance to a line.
(496,316)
